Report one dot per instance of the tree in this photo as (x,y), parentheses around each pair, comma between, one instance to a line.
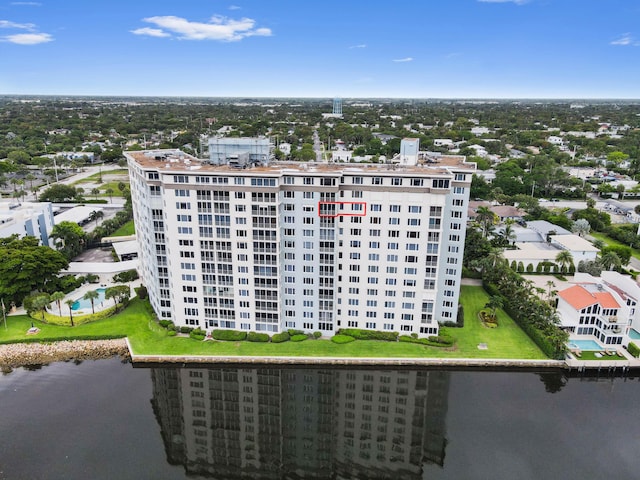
(92,295)
(119,294)
(495,302)
(95,192)
(70,304)
(96,215)
(565,260)
(550,291)
(59,193)
(109,191)
(58,297)
(70,238)
(581,227)
(40,302)
(610,260)
(26,267)
(486,219)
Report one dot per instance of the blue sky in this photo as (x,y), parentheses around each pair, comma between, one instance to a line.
(306,48)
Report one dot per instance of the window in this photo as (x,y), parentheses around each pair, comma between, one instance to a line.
(376,207)
(440,183)
(394,208)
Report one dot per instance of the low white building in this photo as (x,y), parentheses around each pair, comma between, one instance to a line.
(602,309)
(27,218)
(579,248)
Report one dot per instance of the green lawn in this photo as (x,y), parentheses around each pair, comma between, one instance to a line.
(146,337)
(589,355)
(126,229)
(610,242)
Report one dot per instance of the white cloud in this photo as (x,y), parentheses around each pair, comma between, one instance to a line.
(403,60)
(234,7)
(218,28)
(362,45)
(28,38)
(625,40)
(152,32)
(21,26)
(517,2)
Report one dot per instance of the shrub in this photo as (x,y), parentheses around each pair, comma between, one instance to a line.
(280,337)
(229,335)
(141,292)
(369,334)
(197,334)
(292,332)
(530,268)
(172,333)
(165,323)
(423,341)
(633,349)
(127,276)
(185,329)
(92,278)
(317,335)
(340,339)
(301,337)
(258,337)
(460,317)
(442,339)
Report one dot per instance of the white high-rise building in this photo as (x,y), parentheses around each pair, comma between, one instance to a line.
(314,247)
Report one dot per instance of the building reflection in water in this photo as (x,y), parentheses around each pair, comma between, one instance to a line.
(268,423)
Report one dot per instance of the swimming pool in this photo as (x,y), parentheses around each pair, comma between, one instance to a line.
(634,335)
(82,303)
(589,345)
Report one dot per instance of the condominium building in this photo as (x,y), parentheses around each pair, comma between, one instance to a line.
(29,218)
(314,247)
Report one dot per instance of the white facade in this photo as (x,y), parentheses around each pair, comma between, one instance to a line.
(31,218)
(314,247)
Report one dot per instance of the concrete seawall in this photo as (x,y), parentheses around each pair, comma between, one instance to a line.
(21,354)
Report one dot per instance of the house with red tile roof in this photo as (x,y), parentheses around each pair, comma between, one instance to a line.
(594,311)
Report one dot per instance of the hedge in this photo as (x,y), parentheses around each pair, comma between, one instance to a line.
(633,349)
(340,339)
(197,334)
(185,329)
(301,337)
(281,337)
(439,342)
(229,335)
(258,337)
(77,319)
(369,334)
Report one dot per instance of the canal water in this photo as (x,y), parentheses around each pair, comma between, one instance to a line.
(107,420)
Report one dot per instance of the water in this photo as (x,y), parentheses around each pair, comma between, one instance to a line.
(105,420)
(634,335)
(83,303)
(586,345)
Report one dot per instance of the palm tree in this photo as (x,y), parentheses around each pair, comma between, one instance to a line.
(495,302)
(486,218)
(109,191)
(40,303)
(565,259)
(70,304)
(508,234)
(550,292)
(95,192)
(91,295)
(610,260)
(31,177)
(58,297)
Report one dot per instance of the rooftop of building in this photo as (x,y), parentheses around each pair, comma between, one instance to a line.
(178,161)
(581,296)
